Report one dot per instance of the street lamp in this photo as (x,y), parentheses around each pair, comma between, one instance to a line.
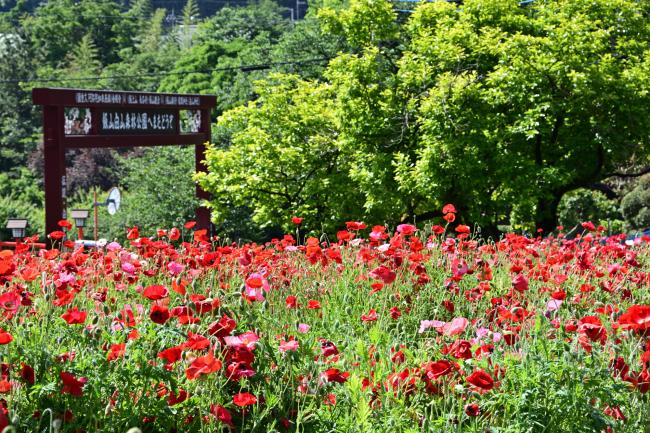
(80,216)
(17,227)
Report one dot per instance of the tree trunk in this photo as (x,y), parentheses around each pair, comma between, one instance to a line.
(546,216)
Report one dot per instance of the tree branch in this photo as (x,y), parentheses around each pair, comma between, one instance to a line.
(605,189)
(627,175)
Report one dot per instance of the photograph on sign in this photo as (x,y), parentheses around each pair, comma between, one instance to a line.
(190,121)
(78,121)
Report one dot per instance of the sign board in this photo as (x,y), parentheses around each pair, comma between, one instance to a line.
(80,118)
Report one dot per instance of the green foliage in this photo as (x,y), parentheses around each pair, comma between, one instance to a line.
(635,206)
(282,159)
(551,394)
(159,192)
(58,25)
(233,37)
(153,51)
(586,205)
(21,197)
(498,108)
(17,115)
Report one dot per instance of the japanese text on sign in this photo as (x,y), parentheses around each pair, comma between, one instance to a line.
(138,122)
(135,99)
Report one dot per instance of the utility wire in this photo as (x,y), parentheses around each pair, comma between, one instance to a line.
(242,68)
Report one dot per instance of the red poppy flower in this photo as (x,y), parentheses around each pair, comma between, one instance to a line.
(637,318)
(203,365)
(370,317)
(27,373)
(7,267)
(480,379)
(243,399)
(196,342)
(223,327)
(5,337)
(438,230)
(175,399)
(593,328)
(174,234)
(201,235)
(461,228)
(72,385)
(57,235)
(460,349)
(189,225)
(327,348)
(384,274)
(344,235)
(313,304)
(159,314)
(155,292)
(450,217)
(448,208)
(588,225)
(520,283)
(171,355)
(296,220)
(117,351)
(355,225)
(133,233)
(334,375)
(291,302)
(222,414)
(434,370)
(472,409)
(10,301)
(64,224)
(406,229)
(74,317)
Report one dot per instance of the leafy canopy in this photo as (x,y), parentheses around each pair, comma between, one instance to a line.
(498,108)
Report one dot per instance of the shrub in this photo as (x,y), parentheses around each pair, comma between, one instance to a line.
(635,206)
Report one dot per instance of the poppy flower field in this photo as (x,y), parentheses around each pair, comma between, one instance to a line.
(376,330)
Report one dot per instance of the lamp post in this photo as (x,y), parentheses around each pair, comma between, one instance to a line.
(17,227)
(80,216)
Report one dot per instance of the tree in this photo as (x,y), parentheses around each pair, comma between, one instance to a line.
(164,203)
(498,108)
(18,120)
(83,61)
(56,27)
(282,159)
(152,50)
(190,19)
(235,36)
(524,104)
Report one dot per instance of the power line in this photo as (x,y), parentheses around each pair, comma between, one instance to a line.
(242,68)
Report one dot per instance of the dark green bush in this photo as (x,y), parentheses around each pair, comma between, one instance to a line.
(586,205)
(635,206)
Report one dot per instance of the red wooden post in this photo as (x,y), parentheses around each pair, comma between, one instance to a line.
(54,153)
(202,212)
